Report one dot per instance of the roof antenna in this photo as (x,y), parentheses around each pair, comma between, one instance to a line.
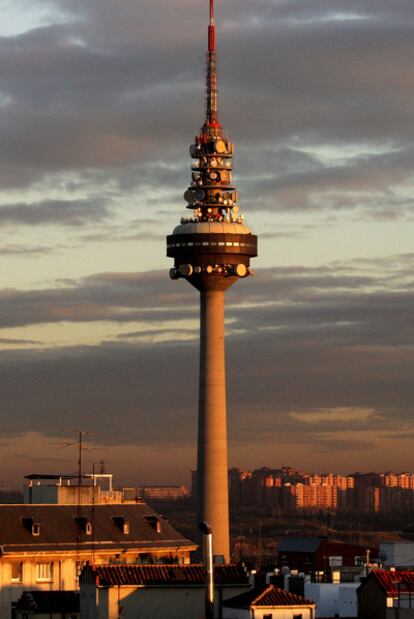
(212,97)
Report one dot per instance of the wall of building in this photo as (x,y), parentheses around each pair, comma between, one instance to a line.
(22,614)
(63,579)
(333,599)
(148,602)
(64,573)
(283,613)
(400,613)
(260,613)
(372,602)
(236,613)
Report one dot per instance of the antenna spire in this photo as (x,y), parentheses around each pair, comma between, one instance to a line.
(212,100)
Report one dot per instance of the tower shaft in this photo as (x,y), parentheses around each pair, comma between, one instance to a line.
(212,250)
(212,464)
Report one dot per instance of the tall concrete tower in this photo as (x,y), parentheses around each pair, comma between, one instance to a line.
(212,250)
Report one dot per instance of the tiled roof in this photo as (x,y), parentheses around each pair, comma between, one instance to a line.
(48,602)
(394,581)
(115,575)
(60,530)
(267,596)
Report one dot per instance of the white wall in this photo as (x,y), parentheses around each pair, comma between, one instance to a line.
(332,599)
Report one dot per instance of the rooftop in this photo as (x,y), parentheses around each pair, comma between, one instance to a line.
(155,575)
(267,596)
(33,528)
(299,544)
(394,581)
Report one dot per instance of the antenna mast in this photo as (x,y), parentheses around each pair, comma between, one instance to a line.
(212,96)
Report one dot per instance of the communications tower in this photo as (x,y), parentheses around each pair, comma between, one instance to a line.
(212,250)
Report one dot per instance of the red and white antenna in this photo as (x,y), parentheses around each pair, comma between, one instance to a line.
(212,98)
(212,30)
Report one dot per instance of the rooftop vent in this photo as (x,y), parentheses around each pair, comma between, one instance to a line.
(121,523)
(154,522)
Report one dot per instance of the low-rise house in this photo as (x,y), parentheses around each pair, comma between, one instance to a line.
(387,594)
(47,604)
(309,554)
(45,546)
(155,591)
(268,602)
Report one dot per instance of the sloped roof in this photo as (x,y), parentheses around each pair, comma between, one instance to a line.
(49,601)
(60,531)
(155,575)
(267,596)
(299,544)
(394,581)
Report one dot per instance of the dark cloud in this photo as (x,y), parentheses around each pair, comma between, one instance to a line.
(53,212)
(81,96)
(305,340)
(367,181)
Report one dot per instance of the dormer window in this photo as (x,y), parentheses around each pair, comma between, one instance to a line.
(32,526)
(154,522)
(121,523)
(84,524)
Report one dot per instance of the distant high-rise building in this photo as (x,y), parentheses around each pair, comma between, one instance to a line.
(212,250)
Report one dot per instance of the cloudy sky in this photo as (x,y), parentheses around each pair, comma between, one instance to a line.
(99,100)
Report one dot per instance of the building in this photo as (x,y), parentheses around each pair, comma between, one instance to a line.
(334,598)
(387,594)
(212,250)
(63,489)
(43,547)
(155,493)
(310,554)
(155,592)
(268,602)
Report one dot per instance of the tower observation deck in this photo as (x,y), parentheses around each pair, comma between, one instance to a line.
(212,250)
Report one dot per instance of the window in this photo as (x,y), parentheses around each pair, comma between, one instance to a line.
(268,616)
(17,571)
(298,616)
(44,572)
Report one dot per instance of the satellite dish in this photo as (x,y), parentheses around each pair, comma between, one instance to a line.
(241,270)
(220,146)
(193,195)
(185,270)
